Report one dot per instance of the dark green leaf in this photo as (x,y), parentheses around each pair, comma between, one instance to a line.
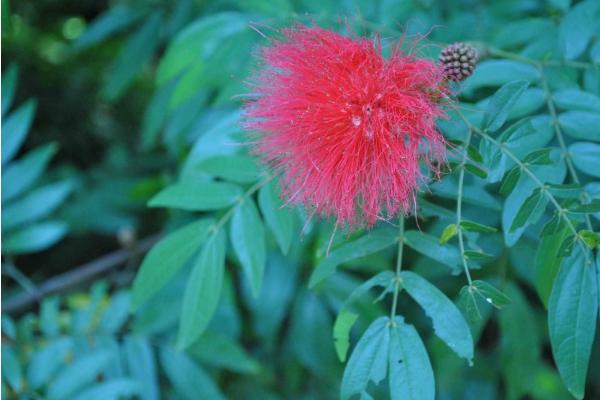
(478,255)
(501,103)
(491,294)
(223,352)
(474,154)
(233,168)
(136,52)
(156,113)
(448,322)
(476,227)
(430,247)
(572,313)
(538,157)
(510,181)
(566,191)
(531,210)
(9,85)
(197,196)
(592,207)
(279,218)
(475,170)
(411,375)
(203,290)
(21,174)
(368,361)
(114,20)
(547,260)
(15,128)
(248,240)
(166,258)
(370,243)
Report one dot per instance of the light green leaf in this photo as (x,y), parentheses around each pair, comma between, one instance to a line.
(189,380)
(166,258)
(368,361)
(370,243)
(583,125)
(141,365)
(499,72)
(411,375)
(572,313)
(76,376)
(574,99)
(21,174)
(448,322)
(113,389)
(34,237)
(501,103)
(590,238)
(279,218)
(197,196)
(202,291)
(448,233)
(136,52)
(430,247)
(248,240)
(577,28)
(233,168)
(15,128)
(35,205)
(586,157)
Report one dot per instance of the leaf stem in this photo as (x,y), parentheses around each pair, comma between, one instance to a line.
(524,168)
(539,63)
(398,268)
(461,178)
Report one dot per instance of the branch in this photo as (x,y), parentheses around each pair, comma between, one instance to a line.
(76,276)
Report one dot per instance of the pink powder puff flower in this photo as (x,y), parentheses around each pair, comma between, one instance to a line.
(346,127)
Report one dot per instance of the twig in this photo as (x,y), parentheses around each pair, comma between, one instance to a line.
(77,276)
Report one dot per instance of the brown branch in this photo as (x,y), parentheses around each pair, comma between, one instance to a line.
(77,276)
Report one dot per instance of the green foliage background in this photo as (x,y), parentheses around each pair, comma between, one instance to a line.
(121,120)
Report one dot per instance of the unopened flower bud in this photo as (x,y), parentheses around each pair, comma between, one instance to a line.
(458,61)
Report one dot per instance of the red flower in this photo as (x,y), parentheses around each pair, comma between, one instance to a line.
(346,126)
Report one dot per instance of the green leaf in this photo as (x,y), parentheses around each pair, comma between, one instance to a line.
(577,27)
(490,294)
(584,125)
(572,313)
(474,154)
(501,104)
(34,237)
(36,205)
(448,322)
(586,157)
(279,218)
(573,99)
(50,317)
(248,240)
(114,20)
(141,365)
(510,181)
(520,344)
(21,174)
(430,247)
(15,128)
(202,291)
(372,242)
(478,255)
(156,113)
(411,375)
(222,352)
(9,85)
(448,233)
(539,157)
(368,361)
(136,52)
(590,238)
(547,259)
(531,210)
(189,380)
(475,170)
(78,375)
(113,389)
(46,361)
(11,369)
(591,207)
(476,227)
(166,258)
(233,168)
(566,191)
(500,72)
(197,196)
(346,319)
